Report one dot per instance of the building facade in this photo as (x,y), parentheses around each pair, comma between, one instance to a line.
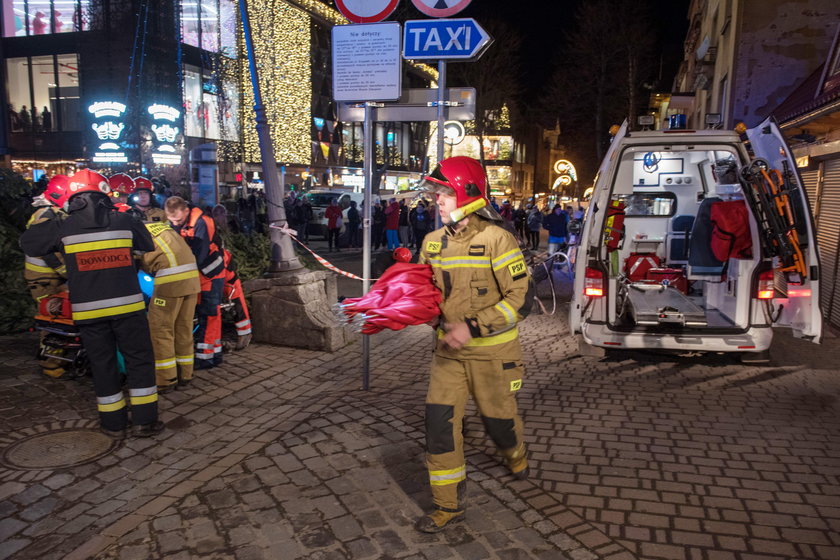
(743,57)
(157,87)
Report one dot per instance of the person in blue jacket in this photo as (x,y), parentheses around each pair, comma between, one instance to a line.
(557,224)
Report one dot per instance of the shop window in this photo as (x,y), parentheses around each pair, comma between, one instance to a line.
(20,100)
(43,93)
(189,23)
(193,106)
(229,107)
(67,99)
(42,17)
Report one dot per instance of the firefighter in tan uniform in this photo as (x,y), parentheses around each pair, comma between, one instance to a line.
(484,282)
(172,306)
(47,275)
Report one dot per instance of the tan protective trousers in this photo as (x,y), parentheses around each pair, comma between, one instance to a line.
(171,326)
(493,384)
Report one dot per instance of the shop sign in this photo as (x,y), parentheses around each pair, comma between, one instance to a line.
(164,134)
(109,124)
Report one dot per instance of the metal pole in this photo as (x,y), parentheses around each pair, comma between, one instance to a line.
(366,232)
(283,256)
(441,117)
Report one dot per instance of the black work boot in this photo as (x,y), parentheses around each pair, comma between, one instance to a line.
(517,461)
(147,430)
(439,519)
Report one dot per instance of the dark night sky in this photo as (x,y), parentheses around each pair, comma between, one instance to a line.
(543,23)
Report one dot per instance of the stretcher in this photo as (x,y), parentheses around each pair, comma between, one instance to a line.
(655,304)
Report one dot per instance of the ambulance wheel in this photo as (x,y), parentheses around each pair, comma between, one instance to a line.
(756,358)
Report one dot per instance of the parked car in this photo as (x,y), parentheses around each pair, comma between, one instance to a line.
(320,199)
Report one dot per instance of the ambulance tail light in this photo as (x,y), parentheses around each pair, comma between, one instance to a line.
(766,289)
(593,283)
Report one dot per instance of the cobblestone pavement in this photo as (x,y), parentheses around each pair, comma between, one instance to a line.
(279,455)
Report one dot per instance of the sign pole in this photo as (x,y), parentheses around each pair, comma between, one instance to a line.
(366,231)
(441,119)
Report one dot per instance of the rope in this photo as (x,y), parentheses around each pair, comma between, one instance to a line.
(324,262)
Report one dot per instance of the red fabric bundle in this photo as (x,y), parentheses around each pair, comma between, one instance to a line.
(404,295)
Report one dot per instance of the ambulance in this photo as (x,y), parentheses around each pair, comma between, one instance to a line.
(696,240)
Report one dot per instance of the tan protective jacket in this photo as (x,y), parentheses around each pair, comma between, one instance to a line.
(44,275)
(482,275)
(172,263)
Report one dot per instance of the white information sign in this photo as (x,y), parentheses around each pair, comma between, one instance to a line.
(367,65)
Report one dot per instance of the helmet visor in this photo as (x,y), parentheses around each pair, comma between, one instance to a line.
(436,182)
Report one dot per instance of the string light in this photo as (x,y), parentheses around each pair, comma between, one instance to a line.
(282,48)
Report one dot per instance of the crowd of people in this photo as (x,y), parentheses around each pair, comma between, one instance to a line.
(84,245)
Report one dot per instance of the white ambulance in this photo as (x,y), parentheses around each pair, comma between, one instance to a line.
(692,243)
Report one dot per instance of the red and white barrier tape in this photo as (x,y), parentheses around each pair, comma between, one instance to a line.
(324,262)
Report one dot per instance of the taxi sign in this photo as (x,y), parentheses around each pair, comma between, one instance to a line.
(437,39)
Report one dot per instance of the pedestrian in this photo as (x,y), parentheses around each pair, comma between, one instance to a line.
(534,221)
(420,223)
(335,220)
(392,224)
(405,224)
(557,225)
(306,217)
(353,223)
(200,233)
(172,305)
(378,226)
(506,211)
(485,285)
(106,302)
(46,275)
(520,217)
(46,120)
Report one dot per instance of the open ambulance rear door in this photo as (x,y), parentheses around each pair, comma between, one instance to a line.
(592,234)
(799,303)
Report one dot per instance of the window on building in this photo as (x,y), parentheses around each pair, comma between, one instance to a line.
(210,25)
(42,17)
(189,23)
(43,93)
(193,106)
(227,27)
(67,99)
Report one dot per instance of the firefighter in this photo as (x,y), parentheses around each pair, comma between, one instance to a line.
(233,290)
(142,197)
(46,275)
(485,286)
(122,186)
(106,301)
(172,305)
(199,231)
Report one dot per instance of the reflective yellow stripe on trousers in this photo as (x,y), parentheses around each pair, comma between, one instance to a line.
(144,395)
(452,476)
(110,403)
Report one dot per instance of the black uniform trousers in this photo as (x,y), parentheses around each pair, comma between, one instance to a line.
(131,334)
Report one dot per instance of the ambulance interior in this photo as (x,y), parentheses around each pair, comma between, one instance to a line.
(665,274)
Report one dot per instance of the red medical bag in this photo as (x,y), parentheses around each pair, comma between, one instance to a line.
(674,277)
(637,265)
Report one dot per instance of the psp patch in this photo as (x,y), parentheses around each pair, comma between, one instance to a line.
(160,302)
(433,246)
(515,385)
(156,228)
(518,269)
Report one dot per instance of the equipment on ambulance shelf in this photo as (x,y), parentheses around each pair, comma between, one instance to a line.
(769,194)
(614,225)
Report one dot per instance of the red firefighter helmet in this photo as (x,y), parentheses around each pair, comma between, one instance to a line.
(121,184)
(141,183)
(465,178)
(87,181)
(56,192)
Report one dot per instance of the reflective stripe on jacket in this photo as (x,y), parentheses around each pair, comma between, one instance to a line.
(482,275)
(200,234)
(44,275)
(172,263)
